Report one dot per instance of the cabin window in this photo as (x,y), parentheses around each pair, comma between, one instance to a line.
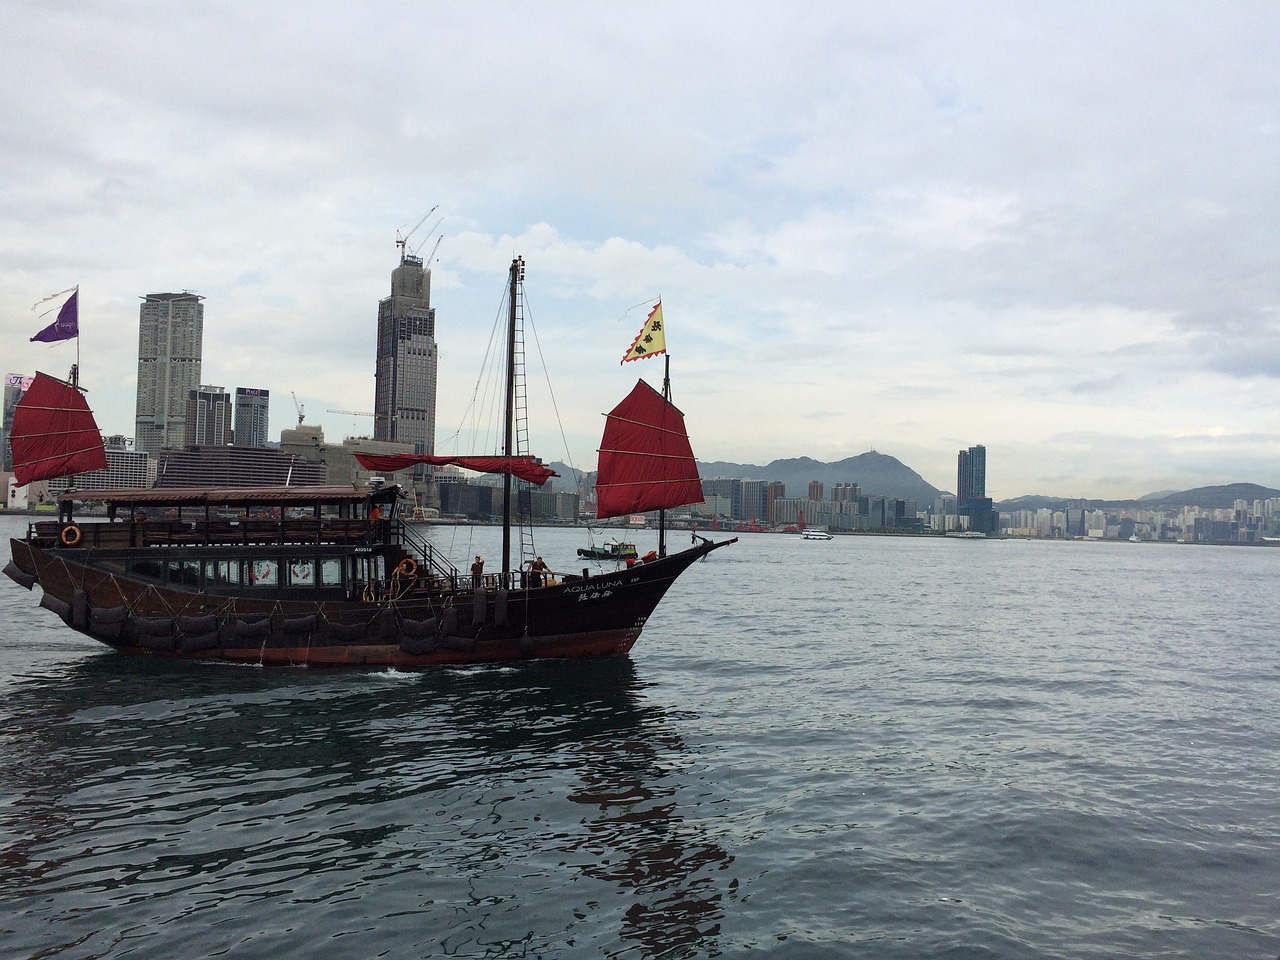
(184,572)
(302,573)
(331,572)
(222,573)
(264,573)
(148,568)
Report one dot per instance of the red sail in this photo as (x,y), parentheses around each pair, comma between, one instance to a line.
(646,462)
(523,468)
(54,433)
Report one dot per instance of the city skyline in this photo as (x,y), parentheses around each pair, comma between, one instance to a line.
(1049,227)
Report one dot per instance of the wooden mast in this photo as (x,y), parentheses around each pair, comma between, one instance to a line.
(509,416)
(666,395)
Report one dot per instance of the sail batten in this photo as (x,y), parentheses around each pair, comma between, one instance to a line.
(54,433)
(646,462)
(522,468)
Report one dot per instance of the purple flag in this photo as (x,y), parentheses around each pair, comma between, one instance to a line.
(66,326)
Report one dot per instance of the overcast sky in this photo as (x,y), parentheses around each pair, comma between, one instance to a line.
(1050,228)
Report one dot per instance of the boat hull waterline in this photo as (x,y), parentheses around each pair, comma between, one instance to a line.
(581,617)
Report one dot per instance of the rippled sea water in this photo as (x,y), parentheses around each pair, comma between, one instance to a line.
(868,747)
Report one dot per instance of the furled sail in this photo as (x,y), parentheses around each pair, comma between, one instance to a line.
(522,468)
(646,462)
(54,433)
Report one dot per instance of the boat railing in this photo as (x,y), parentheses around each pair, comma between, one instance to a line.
(415,543)
(105,534)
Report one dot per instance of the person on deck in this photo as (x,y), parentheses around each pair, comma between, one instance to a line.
(538,570)
(477,571)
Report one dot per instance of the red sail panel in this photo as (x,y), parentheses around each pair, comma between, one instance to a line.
(646,462)
(54,433)
(522,468)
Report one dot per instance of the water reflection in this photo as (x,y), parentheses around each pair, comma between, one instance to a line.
(136,785)
(640,841)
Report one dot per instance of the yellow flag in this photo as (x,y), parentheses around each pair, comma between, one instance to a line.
(651,339)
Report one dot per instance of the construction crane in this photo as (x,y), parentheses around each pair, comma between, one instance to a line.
(297,406)
(402,239)
(427,259)
(355,413)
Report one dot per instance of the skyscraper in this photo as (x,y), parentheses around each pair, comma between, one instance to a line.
(405,375)
(971,475)
(253,407)
(208,418)
(971,491)
(170,341)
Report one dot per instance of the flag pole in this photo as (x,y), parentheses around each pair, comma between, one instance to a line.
(75,371)
(666,395)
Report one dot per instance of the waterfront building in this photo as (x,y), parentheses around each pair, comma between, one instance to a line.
(755,503)
(127,468)
(406,357)
(252,416)
(815,489)
(472,500)
(170,341)
(236,467)
(719,489)
(846,491)
(15,385)
(209,418)
(775,490)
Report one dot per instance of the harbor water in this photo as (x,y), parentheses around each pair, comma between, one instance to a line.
(865,747)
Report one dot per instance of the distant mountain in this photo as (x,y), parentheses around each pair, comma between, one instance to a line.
(568,477)
(1221,496)
(1031,503)
(876,473)
(882,475)
(1218,497)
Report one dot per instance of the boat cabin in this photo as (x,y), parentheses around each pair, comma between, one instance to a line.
(288,543)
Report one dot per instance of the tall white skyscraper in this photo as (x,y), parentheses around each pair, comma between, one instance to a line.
(170,340)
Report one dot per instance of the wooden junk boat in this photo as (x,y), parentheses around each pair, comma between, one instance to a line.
(331,575)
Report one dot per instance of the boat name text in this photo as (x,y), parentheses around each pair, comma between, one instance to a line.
(593,587)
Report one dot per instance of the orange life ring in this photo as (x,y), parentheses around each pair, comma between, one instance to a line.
(70,535)
(408,566)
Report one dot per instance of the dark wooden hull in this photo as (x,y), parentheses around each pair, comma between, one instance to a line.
(422,625)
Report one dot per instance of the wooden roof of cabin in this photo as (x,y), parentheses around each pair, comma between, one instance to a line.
(230,496)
